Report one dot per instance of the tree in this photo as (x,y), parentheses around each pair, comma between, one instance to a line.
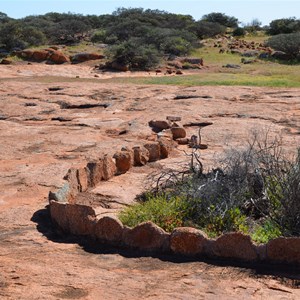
(134,54)
(239,31)
(288,43)
(253,26)
(15,35)
(286,25)
(206,29)
(4,18)
(222,19)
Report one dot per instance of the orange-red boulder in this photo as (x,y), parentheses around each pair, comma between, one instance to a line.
(147,236)
(234,245)
(154,150)
(141,156)
(124,161)
(109,229)
(40,55)
(58,57)
(188,241)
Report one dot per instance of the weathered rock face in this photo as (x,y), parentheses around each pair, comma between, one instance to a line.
(124,161)
(284,250)
(75,219)
(178,132)
(109,229)
(147,236)
(154,151)
(188,241)
(234,245)
(141,156)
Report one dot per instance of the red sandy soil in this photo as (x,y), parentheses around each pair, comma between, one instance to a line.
(40,140)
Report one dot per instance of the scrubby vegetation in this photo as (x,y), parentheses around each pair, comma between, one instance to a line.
(287,43)
(139,39)
(254,190)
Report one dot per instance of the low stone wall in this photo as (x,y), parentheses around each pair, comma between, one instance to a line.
(185,241)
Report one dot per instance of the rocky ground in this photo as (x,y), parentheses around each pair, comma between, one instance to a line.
(48,125)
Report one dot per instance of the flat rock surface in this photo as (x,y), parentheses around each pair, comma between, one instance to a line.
(41,139)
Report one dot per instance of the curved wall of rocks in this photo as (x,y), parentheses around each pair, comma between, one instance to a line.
(81,220)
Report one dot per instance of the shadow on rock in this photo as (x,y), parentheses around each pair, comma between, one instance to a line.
(289,275)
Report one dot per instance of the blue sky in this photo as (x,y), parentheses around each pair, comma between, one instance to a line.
(244,10)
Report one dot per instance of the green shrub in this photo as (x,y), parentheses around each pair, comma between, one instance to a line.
(205,29)
(265,232)
(288,43)
(166,213)
(285,25)
(134,55)
(222,19)
(98,36)
(239,31)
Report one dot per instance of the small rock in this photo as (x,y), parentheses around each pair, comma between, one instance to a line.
(74,219)
(95,172)
(178,132)
(124,161)
(232,66)
(166,146)
(109,167)
(109,229)
(159,125)
(182,141)
(81,218)
(234,245)
(147,236)
(141,156)
(62,194)
(187,241)
(154,150)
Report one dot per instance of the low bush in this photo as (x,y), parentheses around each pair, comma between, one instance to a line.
(134,55)
(166,213)
(288,43)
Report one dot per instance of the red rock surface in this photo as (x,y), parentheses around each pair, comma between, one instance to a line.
(41,141)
